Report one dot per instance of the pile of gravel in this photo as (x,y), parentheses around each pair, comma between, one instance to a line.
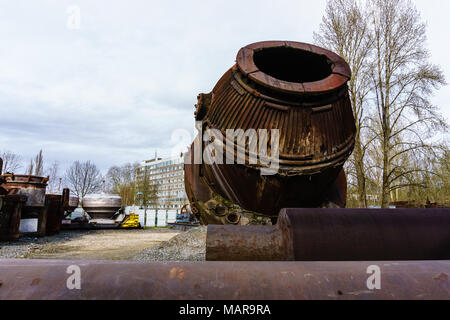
(187,246)
(10,250)
(25,245)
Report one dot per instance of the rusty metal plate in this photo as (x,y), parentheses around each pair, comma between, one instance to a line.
(47,279)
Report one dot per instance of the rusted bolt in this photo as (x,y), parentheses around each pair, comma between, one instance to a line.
(220,210)
(233,218)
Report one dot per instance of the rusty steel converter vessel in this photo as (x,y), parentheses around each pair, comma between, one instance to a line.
(297,88)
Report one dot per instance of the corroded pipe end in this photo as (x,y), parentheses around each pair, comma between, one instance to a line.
(293,67)
(250,243)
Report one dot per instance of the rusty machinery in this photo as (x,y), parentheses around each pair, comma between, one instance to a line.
(33,187)
(10,211)
(56,205)
(25,198)
(297,88)
(301,90)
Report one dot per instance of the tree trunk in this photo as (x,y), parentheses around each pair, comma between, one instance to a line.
(360,174)
(385,185)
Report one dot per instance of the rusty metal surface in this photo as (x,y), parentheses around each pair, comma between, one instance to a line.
(10,212)
(299,89)
(200,194)
(337,235)
(33,187)
(55,205)
(47,279)
(250,243)
(381,234)
(338,74)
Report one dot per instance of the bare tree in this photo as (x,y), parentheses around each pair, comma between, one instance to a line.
(403,80)
(383,41)
(11,161)
(83,178)
(344,30)
(36,166)
(431,181)
(54,182)
(30,168)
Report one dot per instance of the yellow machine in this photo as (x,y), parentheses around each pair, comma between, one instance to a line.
(131,221)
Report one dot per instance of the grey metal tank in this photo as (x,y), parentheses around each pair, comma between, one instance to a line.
(101,206)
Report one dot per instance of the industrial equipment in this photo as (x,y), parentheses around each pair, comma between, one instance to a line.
(10,212)
(296,88)
(105,212)
(102,205)
(314,249)
(34,211)
(56,205)
(185,220)
(130,221)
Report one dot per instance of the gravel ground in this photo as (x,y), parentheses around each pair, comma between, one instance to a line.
(86,244)
(187,246)
(26,246)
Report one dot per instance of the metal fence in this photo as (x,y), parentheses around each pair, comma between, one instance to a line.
(159,218)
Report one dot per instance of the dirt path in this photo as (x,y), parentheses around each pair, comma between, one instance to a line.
(102,244)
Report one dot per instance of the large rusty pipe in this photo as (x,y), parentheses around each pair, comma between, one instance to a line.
(336,235)
(47,279)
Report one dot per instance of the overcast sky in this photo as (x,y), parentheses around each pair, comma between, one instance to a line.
(114,90)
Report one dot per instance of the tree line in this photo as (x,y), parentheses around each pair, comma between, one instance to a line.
(84,177)
(401,147)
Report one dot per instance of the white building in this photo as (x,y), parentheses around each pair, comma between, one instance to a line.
(168,174)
